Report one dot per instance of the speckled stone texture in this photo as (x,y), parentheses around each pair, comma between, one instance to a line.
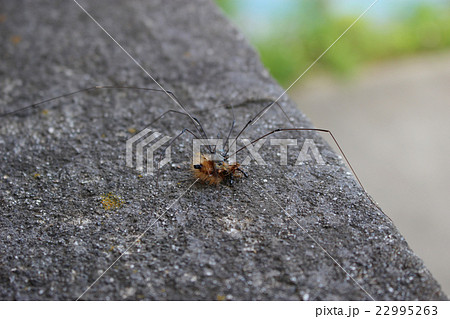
(245,242)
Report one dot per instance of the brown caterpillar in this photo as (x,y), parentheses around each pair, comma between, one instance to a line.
(215,172)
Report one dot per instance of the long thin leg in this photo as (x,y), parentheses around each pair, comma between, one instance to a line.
(231,130)
(47,100)
(199,126)
(197,123)
(171,111)
(245,174)
(99,87)
(335,141)
(253,100)
(260,113)
(168,145)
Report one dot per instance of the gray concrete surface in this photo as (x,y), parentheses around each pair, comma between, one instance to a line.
(213,242)
(392,120)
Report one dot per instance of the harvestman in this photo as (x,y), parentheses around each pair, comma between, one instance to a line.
(209,170)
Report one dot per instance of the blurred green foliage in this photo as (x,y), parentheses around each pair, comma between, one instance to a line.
(301,35)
